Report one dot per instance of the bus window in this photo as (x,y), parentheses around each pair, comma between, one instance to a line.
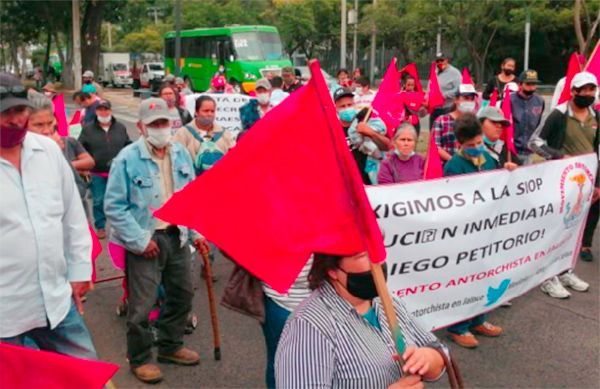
(257,46)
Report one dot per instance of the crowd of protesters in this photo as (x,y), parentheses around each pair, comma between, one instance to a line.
(317,333)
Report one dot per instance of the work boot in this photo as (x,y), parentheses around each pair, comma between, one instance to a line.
(466,340)
(148,373)
(487,329)
(184,356)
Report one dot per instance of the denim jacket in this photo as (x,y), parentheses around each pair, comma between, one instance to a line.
(133,193)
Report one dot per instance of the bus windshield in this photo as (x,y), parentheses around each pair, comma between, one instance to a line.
(257,46)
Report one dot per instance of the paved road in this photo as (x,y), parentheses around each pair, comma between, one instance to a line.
(547,343)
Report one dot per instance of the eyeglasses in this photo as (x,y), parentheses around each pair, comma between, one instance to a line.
(15,91)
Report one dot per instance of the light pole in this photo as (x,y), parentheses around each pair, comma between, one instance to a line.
(438,43)
(373,47)
(76,45)
(177,36)
(527,36)
(343,35)
(353,19)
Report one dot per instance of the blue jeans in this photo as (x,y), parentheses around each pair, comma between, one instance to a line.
(275,318)
(463,326)
(98,189)
(70,337)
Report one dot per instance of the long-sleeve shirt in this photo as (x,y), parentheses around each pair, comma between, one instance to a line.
(449,81)
(527,115)
(328,344)
(44,238)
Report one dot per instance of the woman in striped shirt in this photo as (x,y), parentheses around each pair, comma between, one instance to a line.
(339,337)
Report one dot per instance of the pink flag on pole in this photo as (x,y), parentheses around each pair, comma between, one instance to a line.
(494,98)
(508,134)
(411,69)
(466,77)
(96,250)
(60,115)
(435,97)
(76,119)
(292,211)
(593,64)
(573,68)
(25,368)
(387,103)
(433,162)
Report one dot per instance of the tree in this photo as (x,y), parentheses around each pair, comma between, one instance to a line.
(581,21)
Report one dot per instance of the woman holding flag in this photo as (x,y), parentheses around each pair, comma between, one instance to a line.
(339,336)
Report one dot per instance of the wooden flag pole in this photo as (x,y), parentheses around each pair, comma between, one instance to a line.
(211,301)
(376,269)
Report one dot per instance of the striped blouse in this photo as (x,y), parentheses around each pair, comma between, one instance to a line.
(297,293)
(327,344)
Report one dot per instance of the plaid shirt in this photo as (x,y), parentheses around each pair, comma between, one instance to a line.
(443,130)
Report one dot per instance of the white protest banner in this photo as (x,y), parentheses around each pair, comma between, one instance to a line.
(460,246)
(228,109)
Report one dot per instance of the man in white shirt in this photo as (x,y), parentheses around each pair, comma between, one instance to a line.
(45,246)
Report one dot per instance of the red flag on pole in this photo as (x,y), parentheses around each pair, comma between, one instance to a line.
(494,98)
(466,77)
(593,64)
(433,162)
(76,118)
(573,68)
(508,133)
(387,103)
(411,69)
(25,368)
(435,96)
(60,115)
(284,203)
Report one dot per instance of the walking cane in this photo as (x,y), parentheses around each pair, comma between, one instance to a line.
(211,301)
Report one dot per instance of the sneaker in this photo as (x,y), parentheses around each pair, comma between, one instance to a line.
(572,281)
(101,233)
(147,373)
(487,329)
(586,254)
(466,340)
(184,356)
(554,288)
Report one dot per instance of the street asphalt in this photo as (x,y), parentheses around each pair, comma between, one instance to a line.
(548,343)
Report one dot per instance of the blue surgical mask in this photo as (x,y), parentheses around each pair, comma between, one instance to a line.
(347,114)
(489,142)
(399,154)
(474,152)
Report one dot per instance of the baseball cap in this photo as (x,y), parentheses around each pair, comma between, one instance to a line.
(263,83)
(169,78)
(529,76)
(88,74)
(104,104)
(466,90)
(494,114)
(342,92)
(12,92)
(153,109)
(583,78)
(178,80)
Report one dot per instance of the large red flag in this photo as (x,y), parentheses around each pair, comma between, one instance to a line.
(433,162)
(411,69)
(435,97)
(387,103)
(60,115)
(494,97)
(593,64)
(466,77)
(282,202)
(573,68)
(25,368)
(76,119)
(508,133)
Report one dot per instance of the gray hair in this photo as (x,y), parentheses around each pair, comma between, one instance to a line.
(403,127)
(39,102)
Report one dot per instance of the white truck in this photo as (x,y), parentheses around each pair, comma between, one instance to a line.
(152,74)
(114,70)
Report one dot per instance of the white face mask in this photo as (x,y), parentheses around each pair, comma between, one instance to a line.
(263,98)
(466,106)
(104,119)
(158,137)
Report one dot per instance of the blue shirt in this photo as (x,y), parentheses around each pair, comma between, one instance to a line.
(133,193)
(44,238)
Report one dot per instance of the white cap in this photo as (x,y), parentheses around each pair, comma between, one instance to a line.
(88,73)
(583,78)
(466,89)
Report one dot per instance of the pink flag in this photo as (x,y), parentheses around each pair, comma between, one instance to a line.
(466,77)
(25,368)
(435,97)
(593,64)
(60,115)
(76,119)
(494,97)
(573,68)
(386,102)
(433,162)
(293,202)
(508,134)
(96,250)
(117,255)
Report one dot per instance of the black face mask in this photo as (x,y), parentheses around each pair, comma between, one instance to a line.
(508,72)
(583,101)
(528,92)
(362,285)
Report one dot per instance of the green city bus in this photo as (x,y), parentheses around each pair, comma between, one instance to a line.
(245,53)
